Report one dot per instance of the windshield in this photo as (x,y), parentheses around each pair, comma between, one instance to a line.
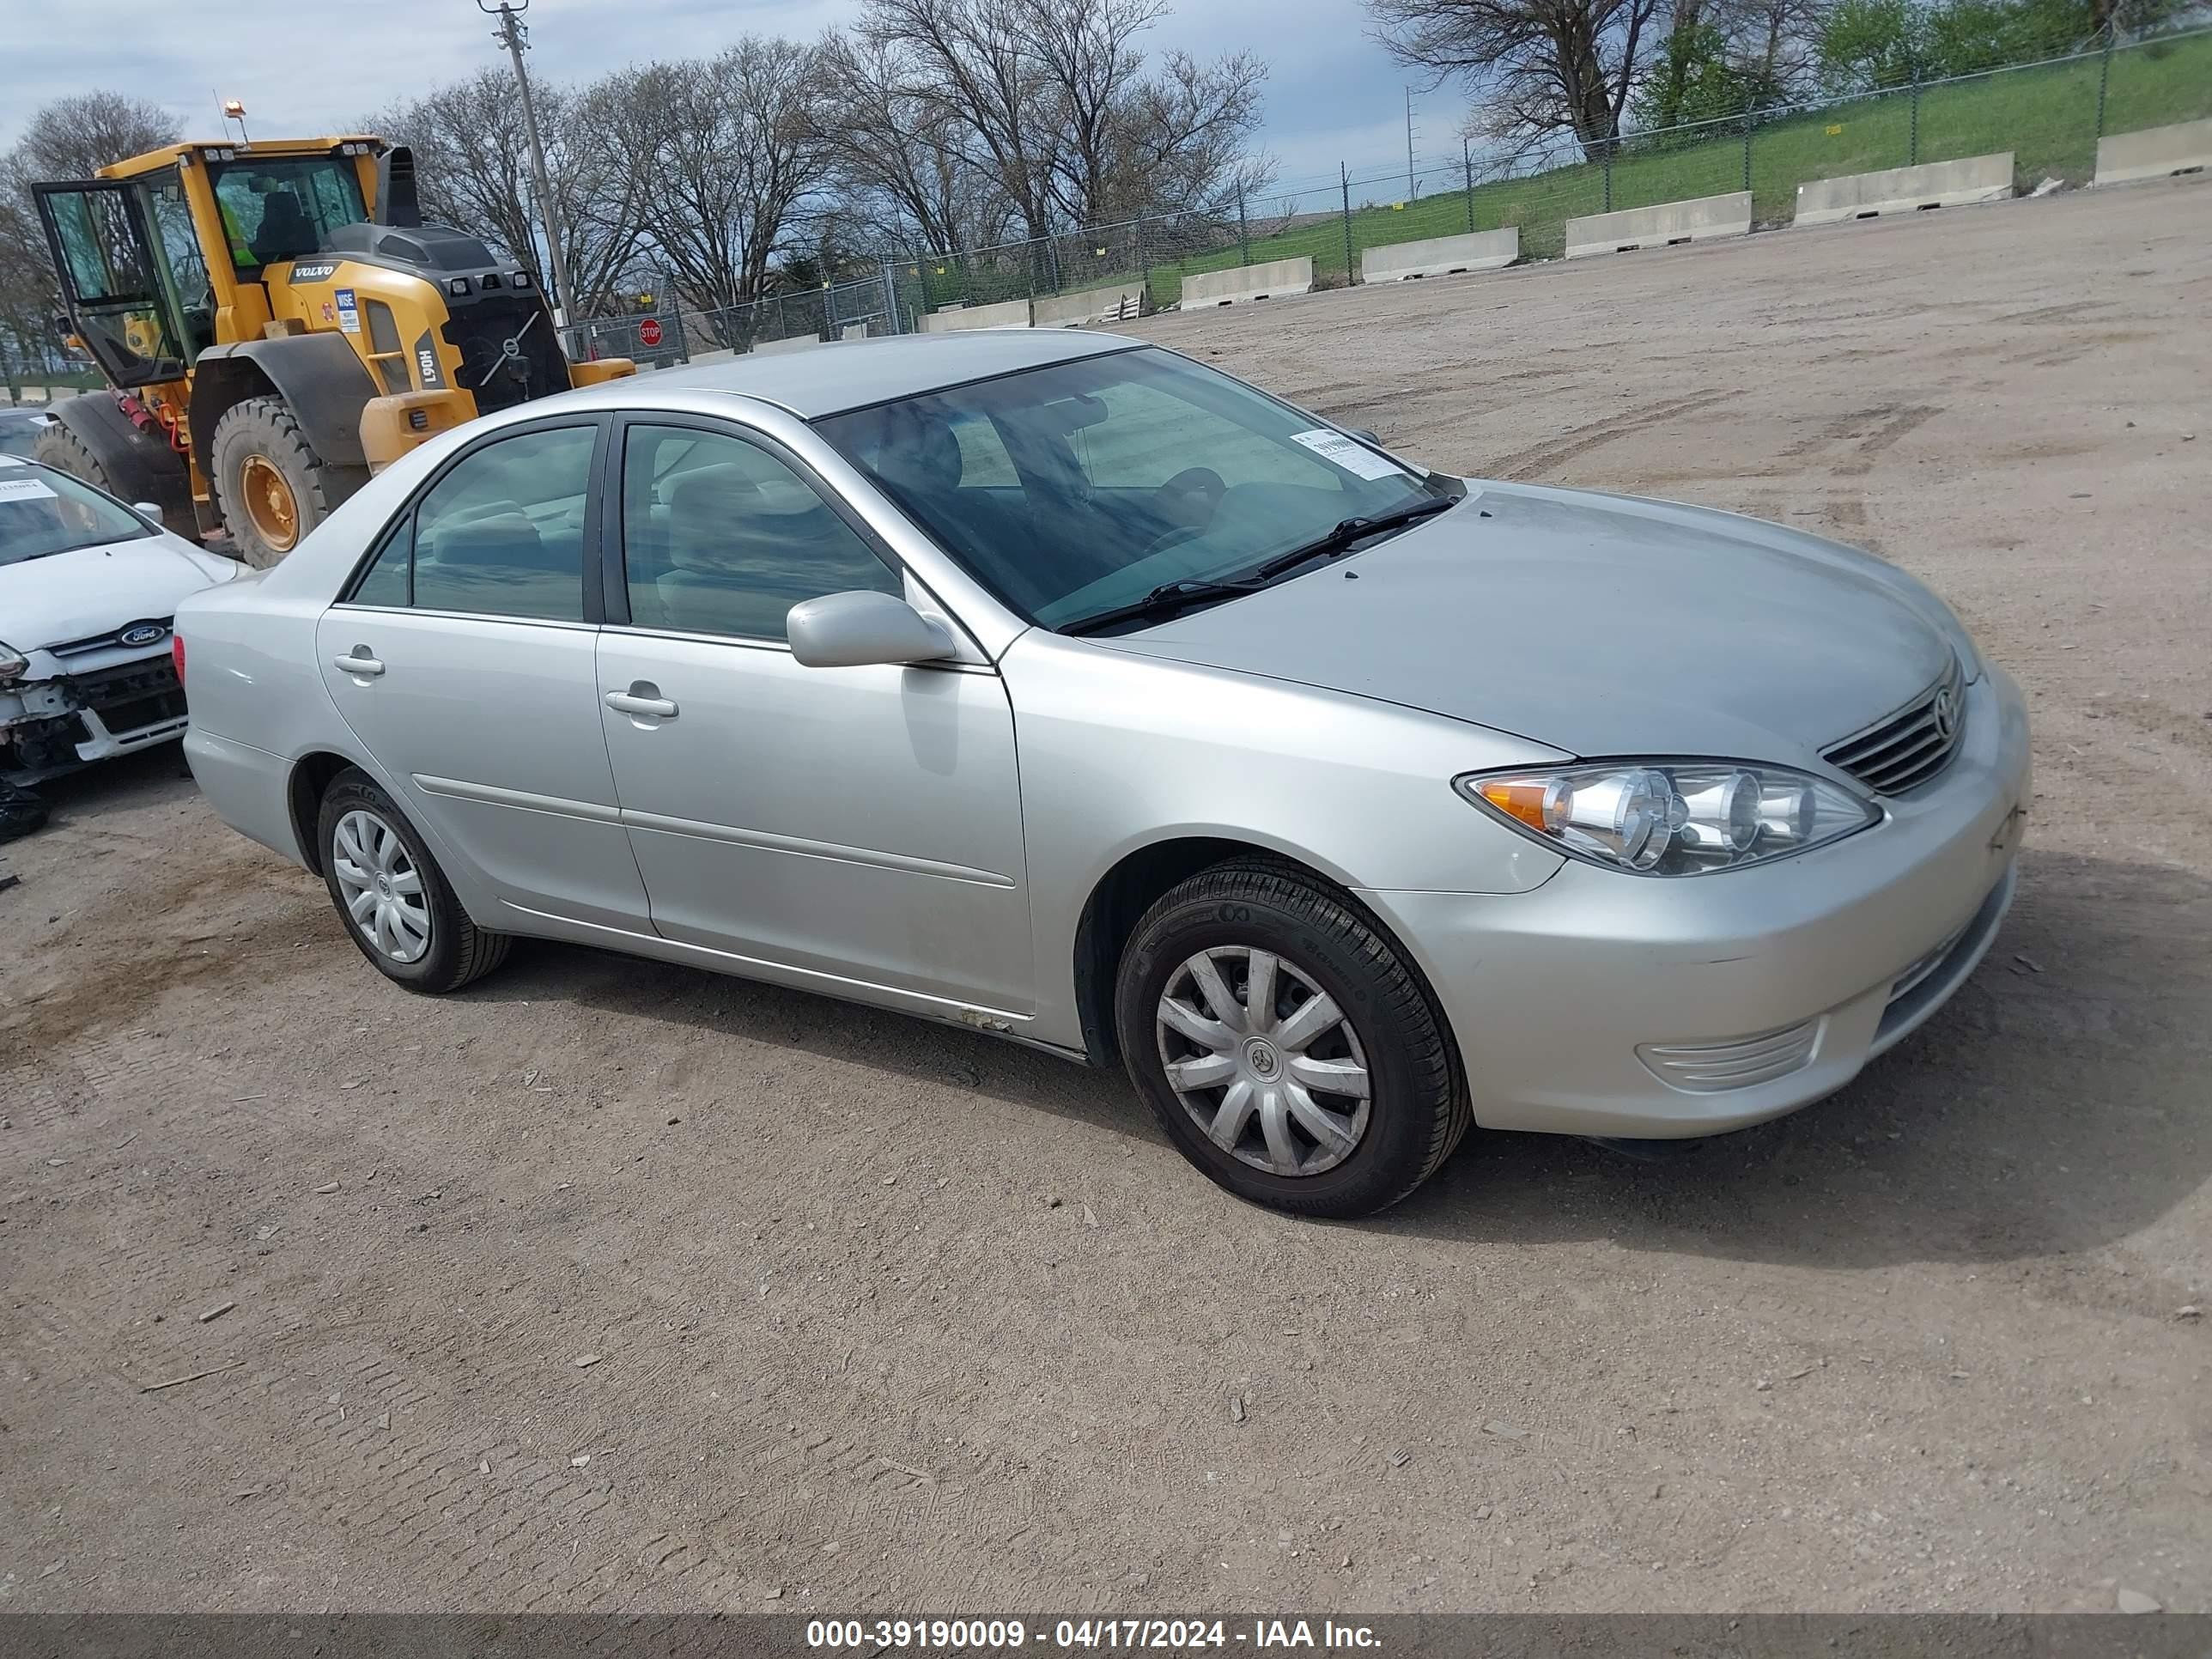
(43,511)
(1072,489)
(280,208)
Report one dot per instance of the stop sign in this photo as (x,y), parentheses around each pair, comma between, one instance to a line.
(649,332)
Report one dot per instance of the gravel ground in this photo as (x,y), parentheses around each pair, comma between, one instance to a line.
(889,1316)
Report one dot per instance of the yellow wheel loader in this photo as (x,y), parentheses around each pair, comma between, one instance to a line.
(276,324)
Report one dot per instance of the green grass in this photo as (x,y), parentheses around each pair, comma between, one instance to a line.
(2046,115)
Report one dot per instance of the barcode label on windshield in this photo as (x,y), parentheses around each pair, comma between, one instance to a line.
(25,489)
(1349,454)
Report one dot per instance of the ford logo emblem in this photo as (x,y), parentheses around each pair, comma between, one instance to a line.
(143,633)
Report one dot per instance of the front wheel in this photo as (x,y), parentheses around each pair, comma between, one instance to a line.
(1285,1045)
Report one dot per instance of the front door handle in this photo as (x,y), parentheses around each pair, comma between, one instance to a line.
(359,663)
(642,699)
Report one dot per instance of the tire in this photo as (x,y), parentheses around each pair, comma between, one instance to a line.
(457,951)
(261,434)
(1416,1108)
(58,447)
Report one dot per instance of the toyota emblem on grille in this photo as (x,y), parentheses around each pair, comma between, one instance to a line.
(142,633)
(1946,711)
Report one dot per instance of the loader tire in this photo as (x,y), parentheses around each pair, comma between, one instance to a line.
(270,484)
(58,447)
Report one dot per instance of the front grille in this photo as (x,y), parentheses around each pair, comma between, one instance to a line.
(1912,745)
(1708,1068)
(480,331)
(113,640)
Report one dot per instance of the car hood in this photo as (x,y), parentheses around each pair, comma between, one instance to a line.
(94,590)
(1598,624)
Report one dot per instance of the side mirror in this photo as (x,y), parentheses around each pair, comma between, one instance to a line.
(851,630)
(148,510)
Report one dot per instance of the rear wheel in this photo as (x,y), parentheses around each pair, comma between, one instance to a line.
(1285,1046)
(394,900)
(270,484)
(58,447)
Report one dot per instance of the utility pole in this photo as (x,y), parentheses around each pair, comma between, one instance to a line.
(516,38)
(1409,144)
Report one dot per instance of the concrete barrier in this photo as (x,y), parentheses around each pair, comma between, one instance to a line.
(1441,256)
(1093,305)
(1663,226)
(1013,313)
(1905,190)
(794,342)
(1275,280)
(2154,153)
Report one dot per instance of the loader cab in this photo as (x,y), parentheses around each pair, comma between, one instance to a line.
(163,255)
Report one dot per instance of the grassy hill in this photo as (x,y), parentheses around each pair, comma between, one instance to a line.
(2046,115)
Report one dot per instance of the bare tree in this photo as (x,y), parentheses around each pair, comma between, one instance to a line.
(897,156)
(969,62)
(69,138)
(733,146)
(471,158)
(1054,103)
(1536,66)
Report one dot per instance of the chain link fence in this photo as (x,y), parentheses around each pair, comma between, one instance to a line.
(2050,114)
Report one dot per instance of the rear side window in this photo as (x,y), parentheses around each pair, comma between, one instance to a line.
(501,535)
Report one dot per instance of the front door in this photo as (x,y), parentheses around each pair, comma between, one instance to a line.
(463,658)
(861,826)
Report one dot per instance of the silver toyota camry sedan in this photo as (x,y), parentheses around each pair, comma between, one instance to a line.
(1060,686)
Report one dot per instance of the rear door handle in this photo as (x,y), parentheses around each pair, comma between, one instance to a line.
(360,663)
(630,702)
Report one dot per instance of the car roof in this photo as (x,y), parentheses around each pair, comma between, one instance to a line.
(847,374)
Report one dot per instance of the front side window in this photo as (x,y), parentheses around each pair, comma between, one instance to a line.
(719,536)
(44,512)
(1072,490)
(280,207)
(501,535)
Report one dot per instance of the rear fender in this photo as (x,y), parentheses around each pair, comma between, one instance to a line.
(319,377)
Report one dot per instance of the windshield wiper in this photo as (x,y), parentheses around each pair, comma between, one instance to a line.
(1166,599)
(1348,531)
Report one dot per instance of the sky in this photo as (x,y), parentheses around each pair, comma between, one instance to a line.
(303,67)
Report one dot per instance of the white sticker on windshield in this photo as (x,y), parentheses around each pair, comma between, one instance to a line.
(25,489)
(1349,454)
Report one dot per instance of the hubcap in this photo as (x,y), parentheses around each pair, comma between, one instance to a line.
(1263,1059)
(269,502)
(381,887)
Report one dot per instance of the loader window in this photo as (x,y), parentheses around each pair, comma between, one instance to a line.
(115,296)
(283,207)
(184,265)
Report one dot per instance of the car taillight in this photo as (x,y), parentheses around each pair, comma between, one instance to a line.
(177,655)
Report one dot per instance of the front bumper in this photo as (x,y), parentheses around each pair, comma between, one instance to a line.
(1604,1004)
(51,726)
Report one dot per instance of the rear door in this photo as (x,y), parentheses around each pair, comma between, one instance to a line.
(96,231)
(463,658)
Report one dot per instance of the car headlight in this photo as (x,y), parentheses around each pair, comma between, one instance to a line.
(1671,817)
(14,665)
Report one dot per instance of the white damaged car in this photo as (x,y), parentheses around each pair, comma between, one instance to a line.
(87,590)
